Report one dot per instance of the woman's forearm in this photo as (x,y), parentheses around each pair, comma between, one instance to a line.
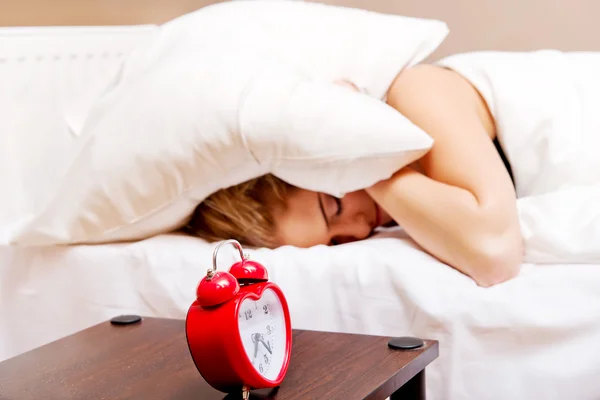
(452,225)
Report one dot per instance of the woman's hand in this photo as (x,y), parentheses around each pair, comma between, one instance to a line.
(462,209)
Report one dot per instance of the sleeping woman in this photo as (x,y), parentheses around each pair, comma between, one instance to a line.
(457,202)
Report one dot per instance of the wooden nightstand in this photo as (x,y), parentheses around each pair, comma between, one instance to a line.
(150,360)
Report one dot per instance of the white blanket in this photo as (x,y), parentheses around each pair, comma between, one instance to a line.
(534,337)
(546,105)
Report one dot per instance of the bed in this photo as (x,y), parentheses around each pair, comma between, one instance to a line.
(532,337)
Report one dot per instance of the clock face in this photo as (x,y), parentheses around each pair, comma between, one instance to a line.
(263,332)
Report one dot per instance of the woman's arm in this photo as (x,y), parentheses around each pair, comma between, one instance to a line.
(463,208)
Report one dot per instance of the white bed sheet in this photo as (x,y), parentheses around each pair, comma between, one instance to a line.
(534,337)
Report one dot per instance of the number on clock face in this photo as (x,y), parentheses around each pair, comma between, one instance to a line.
(262,330)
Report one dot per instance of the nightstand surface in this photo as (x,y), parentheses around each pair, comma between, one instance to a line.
(150,360)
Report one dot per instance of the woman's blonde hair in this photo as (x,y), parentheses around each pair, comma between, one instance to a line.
(243,212)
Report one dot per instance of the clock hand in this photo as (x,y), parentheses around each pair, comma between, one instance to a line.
(255,340)
(268,346)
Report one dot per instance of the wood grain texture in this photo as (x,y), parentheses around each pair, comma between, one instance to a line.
(150,360)
(413,389)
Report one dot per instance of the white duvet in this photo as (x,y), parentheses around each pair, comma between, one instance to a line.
(546,106)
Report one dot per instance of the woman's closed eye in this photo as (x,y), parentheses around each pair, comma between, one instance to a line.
(338,204)
(338,212)
(331,207)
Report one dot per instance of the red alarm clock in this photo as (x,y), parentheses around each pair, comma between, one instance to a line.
(238,329)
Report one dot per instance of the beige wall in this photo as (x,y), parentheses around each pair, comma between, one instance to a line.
(474,24)
(94,12)
(503,24)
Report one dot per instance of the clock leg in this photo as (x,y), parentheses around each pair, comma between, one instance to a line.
(245,392)
(414,389)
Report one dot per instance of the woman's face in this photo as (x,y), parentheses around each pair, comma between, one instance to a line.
(315,218)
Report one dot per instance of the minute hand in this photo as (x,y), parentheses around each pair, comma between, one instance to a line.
(267,345)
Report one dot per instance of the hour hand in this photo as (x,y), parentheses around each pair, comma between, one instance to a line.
(255,339)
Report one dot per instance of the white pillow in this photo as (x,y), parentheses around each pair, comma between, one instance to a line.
(229,93)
